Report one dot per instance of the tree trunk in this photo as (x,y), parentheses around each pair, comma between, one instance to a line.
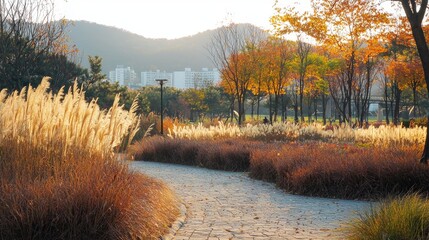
(315,109)
(232,110)
(283,107)
(243,110)
(309,110)
(276,106)
(285,110)
(415,19)
(301,113)
(396,119)
(257,106)
(392,112)
(387,108)
(414,102)
(295,108)
(270,109)
(324,102)
(240,110)
(252,110)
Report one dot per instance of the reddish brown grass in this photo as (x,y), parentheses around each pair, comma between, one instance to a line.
(311,168)
(79,198)
(341,171)
(231,155)
(58,179)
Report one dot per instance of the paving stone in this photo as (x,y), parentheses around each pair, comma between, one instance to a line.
(229,205)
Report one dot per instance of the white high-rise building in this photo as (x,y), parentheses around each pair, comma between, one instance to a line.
(182,79)
(125,76)
(196,79)
(149,78)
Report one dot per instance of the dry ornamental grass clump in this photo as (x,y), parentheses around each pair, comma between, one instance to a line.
(230,155)
(310,168)
(286,131)
(341,170)
(58,175)
(41,119)
(405,217)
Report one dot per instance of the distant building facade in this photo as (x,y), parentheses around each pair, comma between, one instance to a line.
(149,78)
(125,76)
(183,79)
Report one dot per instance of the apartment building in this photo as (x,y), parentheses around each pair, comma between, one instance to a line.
(149,78)
(183,79)
(125,76)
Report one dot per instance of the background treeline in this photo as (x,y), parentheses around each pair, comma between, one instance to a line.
(257,70)
(303,77)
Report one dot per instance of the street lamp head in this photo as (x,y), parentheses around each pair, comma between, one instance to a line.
(161,81)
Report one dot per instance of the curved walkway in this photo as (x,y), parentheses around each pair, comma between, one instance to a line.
(228,205)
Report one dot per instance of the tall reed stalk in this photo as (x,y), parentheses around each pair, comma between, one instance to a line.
(64,122)
(286,131)
(59,178)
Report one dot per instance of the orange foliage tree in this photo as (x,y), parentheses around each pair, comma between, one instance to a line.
(415,10)
(343,25)
(231,53)
(277,61)
(403,68)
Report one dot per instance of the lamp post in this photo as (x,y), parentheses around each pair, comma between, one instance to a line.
(161,82)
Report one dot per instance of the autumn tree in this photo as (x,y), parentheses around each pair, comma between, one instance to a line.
(397,46)
(415,81)
(216,101)
(229,52)
(237,83)
(149,101)
(401,50)
(303,51)
(195,99)
(368,69)
(277,62)
(256,86)
(415,12)
(322,88)
(365,16)
(398,72)
(317,86)
(387,94)
(344,26)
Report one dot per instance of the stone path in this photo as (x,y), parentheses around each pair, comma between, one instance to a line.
(228,205)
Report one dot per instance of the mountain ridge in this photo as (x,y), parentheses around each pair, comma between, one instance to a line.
(121,47)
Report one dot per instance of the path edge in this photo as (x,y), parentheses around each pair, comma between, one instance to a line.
(180,221)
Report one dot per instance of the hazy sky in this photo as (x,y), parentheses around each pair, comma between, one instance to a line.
(167,18)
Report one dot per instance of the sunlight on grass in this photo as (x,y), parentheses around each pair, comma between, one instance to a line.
(58,175)
(401,218)
(286,131)
(44,120)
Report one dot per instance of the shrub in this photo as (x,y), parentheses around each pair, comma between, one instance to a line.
(232,155)
(341,171)
(406,217)
(87,200)
(58,176)
(310,168)
(421,122)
